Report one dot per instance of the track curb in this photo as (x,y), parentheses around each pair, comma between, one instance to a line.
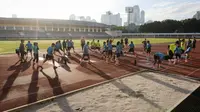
(74,91)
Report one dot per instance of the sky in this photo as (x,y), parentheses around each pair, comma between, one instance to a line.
(62,9)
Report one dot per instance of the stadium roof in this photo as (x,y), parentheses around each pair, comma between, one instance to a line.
(49,22)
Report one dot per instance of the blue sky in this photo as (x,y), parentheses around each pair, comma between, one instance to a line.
(61,9)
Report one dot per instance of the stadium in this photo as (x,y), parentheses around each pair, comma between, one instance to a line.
(104,81)
(18,28)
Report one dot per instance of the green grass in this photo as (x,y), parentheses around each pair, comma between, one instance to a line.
(10,46)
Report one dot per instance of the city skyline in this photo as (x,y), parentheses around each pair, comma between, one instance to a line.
(81,18)
(62,9)
(134,15)
(111,19)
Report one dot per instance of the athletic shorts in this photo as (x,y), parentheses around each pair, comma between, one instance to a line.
(148,50)
(118,55)
(98,48)
(29,50)
(49,57)
(157,59)
(17,52)
(131,50)
(194,46)
(84,55)
(104,51)
(109,52)
(93,47)
(178,56)
(69,48)
(171,55)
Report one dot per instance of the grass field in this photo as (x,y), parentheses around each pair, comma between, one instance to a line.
(10,46)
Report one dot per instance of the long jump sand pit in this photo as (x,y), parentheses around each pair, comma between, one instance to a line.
(144,92)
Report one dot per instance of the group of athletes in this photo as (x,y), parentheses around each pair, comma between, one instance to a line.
(23,50)
(176,51)
(109,51)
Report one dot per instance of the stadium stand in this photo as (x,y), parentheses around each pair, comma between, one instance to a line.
(49,28)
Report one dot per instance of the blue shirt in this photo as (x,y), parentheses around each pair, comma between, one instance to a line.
(109,46)
(105,48)
(118,49)
(131,45)
(161,55)
(178,50)
(50,51)
(29,46)
(148,46)
(69,44)
(85,49)
(57,46)
(35,49)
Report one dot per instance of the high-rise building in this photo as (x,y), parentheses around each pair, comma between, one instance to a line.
(72,17)
(82,18)
(142,19)
(93,20)
(14,15)
(111,19)
(134,15)
(197,15)
(88,18)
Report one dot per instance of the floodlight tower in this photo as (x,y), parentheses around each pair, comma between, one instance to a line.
(129,10)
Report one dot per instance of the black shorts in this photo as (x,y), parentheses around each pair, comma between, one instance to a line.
(118,55)
(178,56)
(49,57)
(131,50)
(157,59)
(171,56)
(29,50)
(148,50)
(110,52)
(104,51)
(93,47)
(69,48)
(98,48)
(86,55)
(194,46)
(17,52)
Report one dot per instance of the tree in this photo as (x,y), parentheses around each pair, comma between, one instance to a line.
(171,26)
